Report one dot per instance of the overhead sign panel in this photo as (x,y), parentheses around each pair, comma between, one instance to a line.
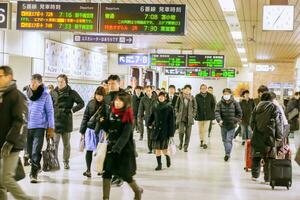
(201,72)
(4,15)
(55,16)
(161,19)
(198,72)
(211,61)
(175,71)
(168,60)
(133,59)
(103,39)
(222,73)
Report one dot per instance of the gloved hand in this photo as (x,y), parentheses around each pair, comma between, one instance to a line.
(6,149)
(50,133)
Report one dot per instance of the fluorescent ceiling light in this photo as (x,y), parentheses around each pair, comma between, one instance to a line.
(227,5)
(236,35)
(241,50)
(245,65)
(244,59)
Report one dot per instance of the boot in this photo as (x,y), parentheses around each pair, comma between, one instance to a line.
(159,165)
(201,143)
(168,158)
(137,190)
(106,188)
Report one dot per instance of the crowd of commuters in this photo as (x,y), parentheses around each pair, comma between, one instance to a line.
(116,114)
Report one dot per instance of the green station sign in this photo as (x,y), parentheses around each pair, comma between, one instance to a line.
(223,73)
(56,16)
(168,60)
(211,61)
(161,19)
(201,72)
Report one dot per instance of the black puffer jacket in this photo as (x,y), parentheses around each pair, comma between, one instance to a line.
(294,123)
(229,112)
(247,108)
(63,102)
(120,158)
(205,107)
(14,110)
(266,123)
(163,121)
(90,110)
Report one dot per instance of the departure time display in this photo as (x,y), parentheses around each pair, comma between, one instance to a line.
(161,19)
(211,61)
(55,16)
(226,73)
(201,72)
(168,60)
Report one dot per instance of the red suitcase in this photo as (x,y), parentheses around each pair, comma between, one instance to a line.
(248,157)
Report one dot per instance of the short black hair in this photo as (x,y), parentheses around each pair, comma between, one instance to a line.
(210,87)
(104,82)
(129,87)
(245,92)
(162,94)
(268,96)
(172,86)
(262,89)
(187,86)
(37,77)
(138,87)
(227,90)
(6,70)
(163,88)
(114,77)
(149,86)
(297,93)
(64,77)
(203,85)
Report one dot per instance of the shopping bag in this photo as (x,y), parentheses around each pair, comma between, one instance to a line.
(297,157)
(50,160)
(81,144)
(172,147)
(100,155)
(20,173)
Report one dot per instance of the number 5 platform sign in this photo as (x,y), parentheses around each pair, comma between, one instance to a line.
(158,19)
(133,59)
(4,16)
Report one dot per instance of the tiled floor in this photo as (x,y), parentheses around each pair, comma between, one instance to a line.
(198,174)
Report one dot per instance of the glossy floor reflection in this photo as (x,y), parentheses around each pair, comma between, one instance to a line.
(198,174)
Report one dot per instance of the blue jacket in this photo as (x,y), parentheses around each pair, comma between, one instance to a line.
(41,112)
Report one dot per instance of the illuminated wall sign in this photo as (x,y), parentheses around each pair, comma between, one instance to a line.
(133,59)
(55,16)
(168,60)
(212,61)
(201,72)
(175,71)
(198,72)
(222,73)
(163,19)
(103,39)
(265,68)
(4,15)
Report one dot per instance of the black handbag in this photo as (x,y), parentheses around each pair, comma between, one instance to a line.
(50,160)
(20,173)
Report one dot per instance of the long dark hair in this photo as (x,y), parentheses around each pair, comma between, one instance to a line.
(126,98)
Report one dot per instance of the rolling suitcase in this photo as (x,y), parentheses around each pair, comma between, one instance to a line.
(280,173)
(248,156)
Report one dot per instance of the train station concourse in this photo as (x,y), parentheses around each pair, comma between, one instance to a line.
(149,99)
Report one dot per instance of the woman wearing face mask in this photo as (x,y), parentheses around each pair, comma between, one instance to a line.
(163,123)
(94,116)
(120,157)
(228,113)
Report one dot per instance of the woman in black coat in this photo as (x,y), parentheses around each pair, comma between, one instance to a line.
(120,157)
(94,115)
(163,123)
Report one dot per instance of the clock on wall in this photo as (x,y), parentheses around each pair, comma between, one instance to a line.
(278,18)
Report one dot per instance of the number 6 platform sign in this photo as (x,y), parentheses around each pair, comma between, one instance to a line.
(4,16)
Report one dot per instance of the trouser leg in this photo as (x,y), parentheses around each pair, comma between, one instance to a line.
(255,169)
(188,131)
(66,137)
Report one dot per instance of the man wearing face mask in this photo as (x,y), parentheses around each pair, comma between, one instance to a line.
(41,118)
(228,113)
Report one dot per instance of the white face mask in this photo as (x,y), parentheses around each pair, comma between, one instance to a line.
(226,97)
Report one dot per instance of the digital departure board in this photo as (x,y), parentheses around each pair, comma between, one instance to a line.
(162,19)
(211,61)
(222,73)
(55,16)
(175,71)
(168,60)
(199,72)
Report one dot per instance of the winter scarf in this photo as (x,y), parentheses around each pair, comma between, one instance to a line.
(35,95)
(127,115)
